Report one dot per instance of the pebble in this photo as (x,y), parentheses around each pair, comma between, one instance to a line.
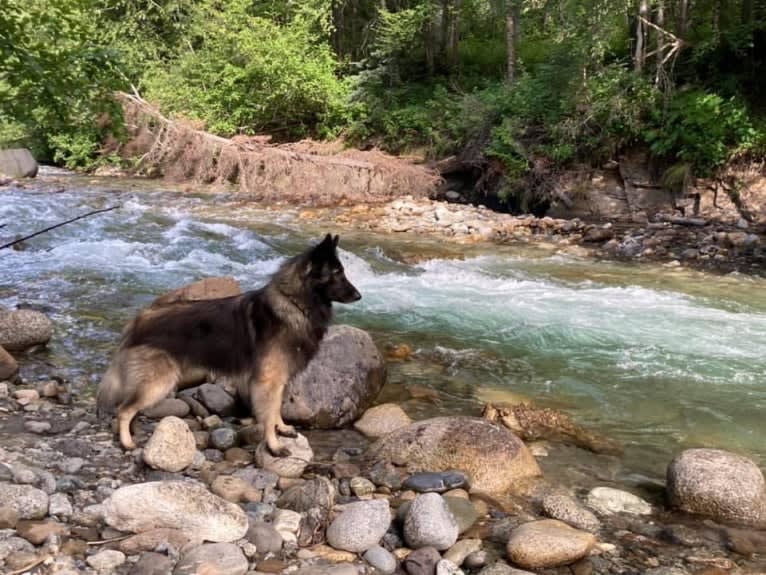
(464,511)
(38,427)
(265,537)
(422,561)
(432,481)
(607,501)
(218,559)
(430,523)
(360,525)
(447,567)
(29,502)
(71,465)
(381,559)
(223,438)
(362,487)
(291,466)
(548,543)
(106,561)
(59,506)
(287,523)
(152,564)
(462,549)
(566,509)
(171,447)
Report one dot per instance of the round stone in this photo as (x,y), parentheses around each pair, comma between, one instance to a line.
(382,420)
(381,559)
(429,523)
(360,525)
(548,543)
(171,447)
(607,501)
(566,509)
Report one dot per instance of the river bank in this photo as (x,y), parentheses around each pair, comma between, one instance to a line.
(484,322)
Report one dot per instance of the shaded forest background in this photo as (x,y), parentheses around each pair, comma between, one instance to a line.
(520,89)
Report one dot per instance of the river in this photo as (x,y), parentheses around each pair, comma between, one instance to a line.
(658,358)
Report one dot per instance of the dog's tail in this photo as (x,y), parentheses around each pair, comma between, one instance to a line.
(110,392)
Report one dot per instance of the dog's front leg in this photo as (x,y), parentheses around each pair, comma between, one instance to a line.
(266,391)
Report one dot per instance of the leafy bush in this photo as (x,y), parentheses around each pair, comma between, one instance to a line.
(702,129)
(247,74)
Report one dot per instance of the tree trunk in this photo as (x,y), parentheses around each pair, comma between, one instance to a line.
(512,25)
(640,54)
(660,47)
(683,19)
(453,42)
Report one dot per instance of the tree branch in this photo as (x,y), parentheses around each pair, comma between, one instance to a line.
(53,227)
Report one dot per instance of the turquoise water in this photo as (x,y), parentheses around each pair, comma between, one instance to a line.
(658,358)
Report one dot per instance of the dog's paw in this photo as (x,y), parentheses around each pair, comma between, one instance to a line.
(279,451)
(287,431)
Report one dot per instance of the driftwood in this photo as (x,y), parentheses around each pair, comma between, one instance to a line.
(53,227)
(682,221)
(308,173)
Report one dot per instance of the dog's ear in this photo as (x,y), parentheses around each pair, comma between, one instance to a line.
(335,241)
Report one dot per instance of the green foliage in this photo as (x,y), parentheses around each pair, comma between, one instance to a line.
(247,74)
(702,129)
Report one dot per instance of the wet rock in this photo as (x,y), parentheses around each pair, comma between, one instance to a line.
(265,538)
(360,525)
(183,505)
(607,501)
(37,532)
(548,543)
(717,484)
(106,561)
(29,502)
(316,492)
(342,380)
(8,365)
(382,420)
(218,558)
(174,539)
(206,288)
(433,481)
(463,511)
(293,465)
(429,523)
(166,408)
(462,549)
(567,509)
(422,561)
(223,438)
(493,457)
(215,399)
(152,564)
(21,329)
(171,447)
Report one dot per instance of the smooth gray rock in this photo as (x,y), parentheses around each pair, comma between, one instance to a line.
(360,525)
(185,505)
(167,407)
(381,559)
(718,484)
(422,561)
(342,380)
(607,500)
(215,399)
(548,543)
(429,523)
(18,163)
(265,538)
(434,481)
(223,438)
(152,564)
(222,559)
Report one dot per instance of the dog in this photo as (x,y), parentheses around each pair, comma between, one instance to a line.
(260,339)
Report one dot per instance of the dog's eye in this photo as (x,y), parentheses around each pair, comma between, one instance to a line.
(337,271)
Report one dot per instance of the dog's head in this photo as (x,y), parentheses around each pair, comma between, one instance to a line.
(326,273)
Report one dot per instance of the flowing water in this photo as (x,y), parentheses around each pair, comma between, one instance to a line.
(658,358)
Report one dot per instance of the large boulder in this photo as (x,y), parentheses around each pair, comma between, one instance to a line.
(8,365)
(172,445)
(207,288)
(492,456)
(18,163)
(21,329)
(342,380)
(718,484)
(184,505)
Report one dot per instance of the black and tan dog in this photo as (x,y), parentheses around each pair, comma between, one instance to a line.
(260,340)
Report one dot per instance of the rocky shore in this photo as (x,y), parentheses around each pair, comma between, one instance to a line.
(439,496)
(696,243)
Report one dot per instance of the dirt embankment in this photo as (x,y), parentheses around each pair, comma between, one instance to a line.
(308,173)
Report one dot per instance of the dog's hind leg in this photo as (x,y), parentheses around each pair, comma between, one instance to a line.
(266,398)
(153,382)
